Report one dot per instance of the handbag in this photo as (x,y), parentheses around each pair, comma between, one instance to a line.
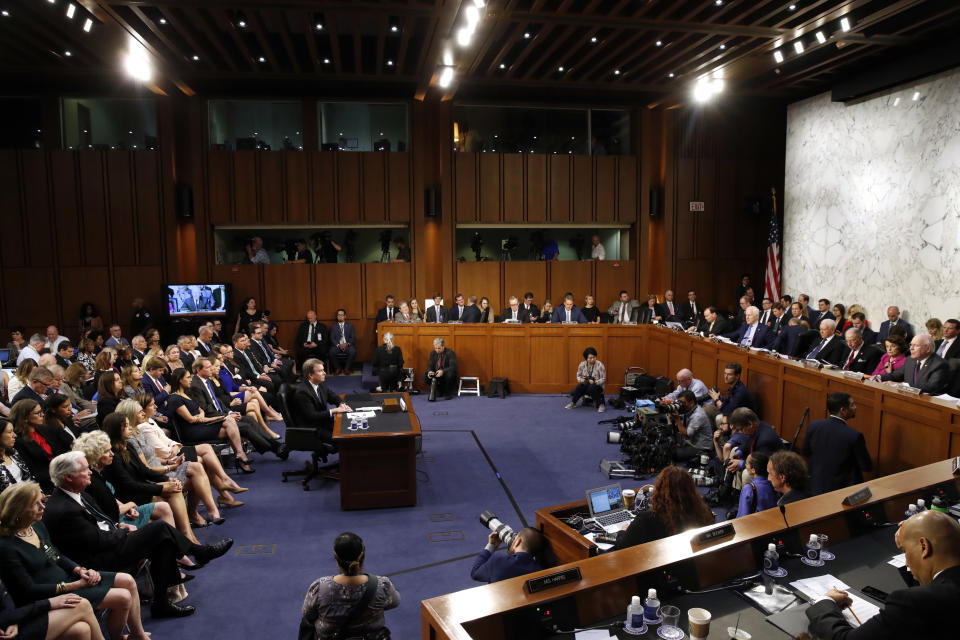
(308,630)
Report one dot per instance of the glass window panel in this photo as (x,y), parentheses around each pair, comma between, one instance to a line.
(108,123)
(610,131)
(21,125)
(359,126)
(520,130)
(250,125)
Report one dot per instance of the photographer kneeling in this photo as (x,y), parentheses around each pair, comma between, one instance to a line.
(521,557)
(591,375)
(694,427)
(441,372)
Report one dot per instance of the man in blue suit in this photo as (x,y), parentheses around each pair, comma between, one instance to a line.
(894,319)
(836,453)
(342,341)
(821,315)
(751,332)
(568,312)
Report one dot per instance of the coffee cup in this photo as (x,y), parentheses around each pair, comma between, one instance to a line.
(629,498)
(699,623)
(704,459)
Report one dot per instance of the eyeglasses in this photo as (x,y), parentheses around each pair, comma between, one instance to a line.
(36,412)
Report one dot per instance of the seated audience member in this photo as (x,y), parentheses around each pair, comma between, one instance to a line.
(342,341)
(196,426)
(721,436)
(794,338)
(124,357)
(105,361)
(132,378)
(312,401)
(777,323)
(438,312)
(787,472)
(924,369)
(472,313)
(96,448)
(403,315)
(546,313)
(750,435)
(116,338)
(737,394)
(134,482)
(766,311)
(58,427)
(13,468)
(330,599)
(86,355)
(71,387)
(228,374)
(63,617)
(460,311)
(84,532)
(931,542)
(949,346)
(172,355)
(154,382)
(686,382)
(691,311)
(441,373)
(388,311)
(836,452)
(860,356)
(65,354)
(38,386)
(591,376)
(487,316)
(858,320)
(648,313)
(758,494)
(800,311)
(388,364)
(30,573)
(270,361)
(529,306)
(822,313)
(590,310)
(20,378)
(249,369)
(187,355)
(415,310)
(27,418)
(840,315)
(894,358)
(568,312)
(520,559)
(831,347)
(205,342)
(109,395)
(152,336)
(621,311)
(752,333)
(16,343)
(695,429)
(32,349)
(669,309)
(894,320)
(514,313)
(676,506)
(712,324)
(740,318)
(804,300)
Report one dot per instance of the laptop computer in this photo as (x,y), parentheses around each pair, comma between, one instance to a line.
(606,507)
(4,356)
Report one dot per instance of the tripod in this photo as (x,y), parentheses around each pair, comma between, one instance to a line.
(385,256)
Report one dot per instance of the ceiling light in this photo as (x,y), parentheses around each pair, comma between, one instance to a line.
(389,63)
(792,7)
(659,43)
(723,47)
(67,53)
(503,65)
(593,39)
(242,24)
(463,36)
(845,24)
(718,3)
(778,56)
(261,59)
(671,75)
(798,46)
(71,9)
(137,62)
(916,96)
(560,69)
(394,28)
(446,77)
(326,61)
(616,72)
(448,57)
(319,27)
(162,21)
(472,14)
(479,3)
(526,35)
(195,57)
(820,37)
(87,25)
(5,13)
(895,103)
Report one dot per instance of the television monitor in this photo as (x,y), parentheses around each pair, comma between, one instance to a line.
(194,300)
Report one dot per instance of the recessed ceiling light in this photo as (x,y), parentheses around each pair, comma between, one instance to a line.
(778,56)
(326,61)
(394,28)
(71,9)
(718,3)
(463,36)
(130,132)
(446,77)
(671,75)
(503,66)
(798,46)
(845,24)
(659,43)
(792,7)
(593,39)
(162,21)
(389,63)
(319,27)
(67,53)
(5,13)
(87,25)
(195,57)
(560,69)
(262,59)
(616,72)
(526,34)
(820,37)
(916,96)
(242,24)
(723,47)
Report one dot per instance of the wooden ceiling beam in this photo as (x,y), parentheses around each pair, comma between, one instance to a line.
(558,40)
(224,19)
(360,6)
(260,33)
(530,47)
(158,33)
(442,20)
(308,28)
(200,17)
(608,62)
(287,44)
(206,58)
(512,39)
(381,44)
(648,24)
(330,25)
(405,30)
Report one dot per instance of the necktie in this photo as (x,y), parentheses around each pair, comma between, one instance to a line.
(316,390)
(343,339)
(157,382)
(916,373)
(670,307)
(568,315)
(514,315)
(813,354)
(310,332)
(459,312)
(213,396)
(853,354)
(748,336)
(99,515)
(623,312)
(249,362)
(942,349)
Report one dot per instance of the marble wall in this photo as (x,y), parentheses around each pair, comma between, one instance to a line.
(871,210)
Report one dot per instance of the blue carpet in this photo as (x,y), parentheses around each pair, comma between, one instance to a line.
(545,455)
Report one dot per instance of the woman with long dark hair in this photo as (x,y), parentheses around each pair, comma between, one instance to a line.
(90,318)
(13,468)
(27,416)
(109,394)
(676,506)
(248,313)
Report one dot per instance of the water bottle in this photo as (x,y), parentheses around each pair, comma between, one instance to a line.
(635,623)
(938,505)
(921,505)
(651,608)
(813,549)
(911,510)
(771,562)
(366,425)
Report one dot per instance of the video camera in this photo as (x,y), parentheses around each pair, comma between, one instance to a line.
(385,238)
(489,519)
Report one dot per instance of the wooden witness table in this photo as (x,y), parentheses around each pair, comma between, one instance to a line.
(378,466)
(902,431)
(608,581)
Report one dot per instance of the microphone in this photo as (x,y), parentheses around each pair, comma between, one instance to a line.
(783,512)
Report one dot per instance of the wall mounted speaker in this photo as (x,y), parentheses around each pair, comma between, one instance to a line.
(656,201)
(184,198)
(431,202)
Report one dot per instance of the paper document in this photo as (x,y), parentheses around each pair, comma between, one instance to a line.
(816,588)
(948,397)
(367,409)
(360,415)
(898,560)
(593,634)
(600,545)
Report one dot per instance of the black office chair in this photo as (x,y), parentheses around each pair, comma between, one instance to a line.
(954,388)
(305,438)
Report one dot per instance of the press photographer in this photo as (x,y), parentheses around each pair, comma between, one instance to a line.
(523,550)
(591,376)
(694,426)
(441,372)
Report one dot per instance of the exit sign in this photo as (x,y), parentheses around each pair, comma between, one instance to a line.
(696,206)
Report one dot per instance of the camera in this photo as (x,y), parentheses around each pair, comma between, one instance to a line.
(490,520)
(385,238)
(673,407)
(509,244)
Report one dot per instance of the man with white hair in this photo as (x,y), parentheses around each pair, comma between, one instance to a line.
(924,369)
(831,347)
(54,338)
(441,372)
(686,382)
(31,349)
(752,333)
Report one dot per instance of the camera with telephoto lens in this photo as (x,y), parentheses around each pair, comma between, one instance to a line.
(490,520)
(673,407)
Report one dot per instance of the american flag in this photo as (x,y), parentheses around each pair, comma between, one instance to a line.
(772,284)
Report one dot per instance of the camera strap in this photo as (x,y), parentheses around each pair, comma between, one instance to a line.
(357,609)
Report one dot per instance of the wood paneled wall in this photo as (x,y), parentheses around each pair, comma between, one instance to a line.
(294,187)
(538,188)
(80,226)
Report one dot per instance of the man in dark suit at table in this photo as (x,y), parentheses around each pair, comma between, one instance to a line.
(311,339)
(568,312)
(441,373)
(515,311)
(859,321)
(751,332)
(459,311)
(438,312)
(823,313)
(527,305)
(831,347)
(766,311)
(804,301)
(924,369)
(778,323)
(860,356)
(471,313)
(691,311)
(712,323)
(622,310)
(893,319)
(737,394)
(387,312)
(669,309)
(836,453)
(949,346)
(342,343)
(313,403)
(931,543)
